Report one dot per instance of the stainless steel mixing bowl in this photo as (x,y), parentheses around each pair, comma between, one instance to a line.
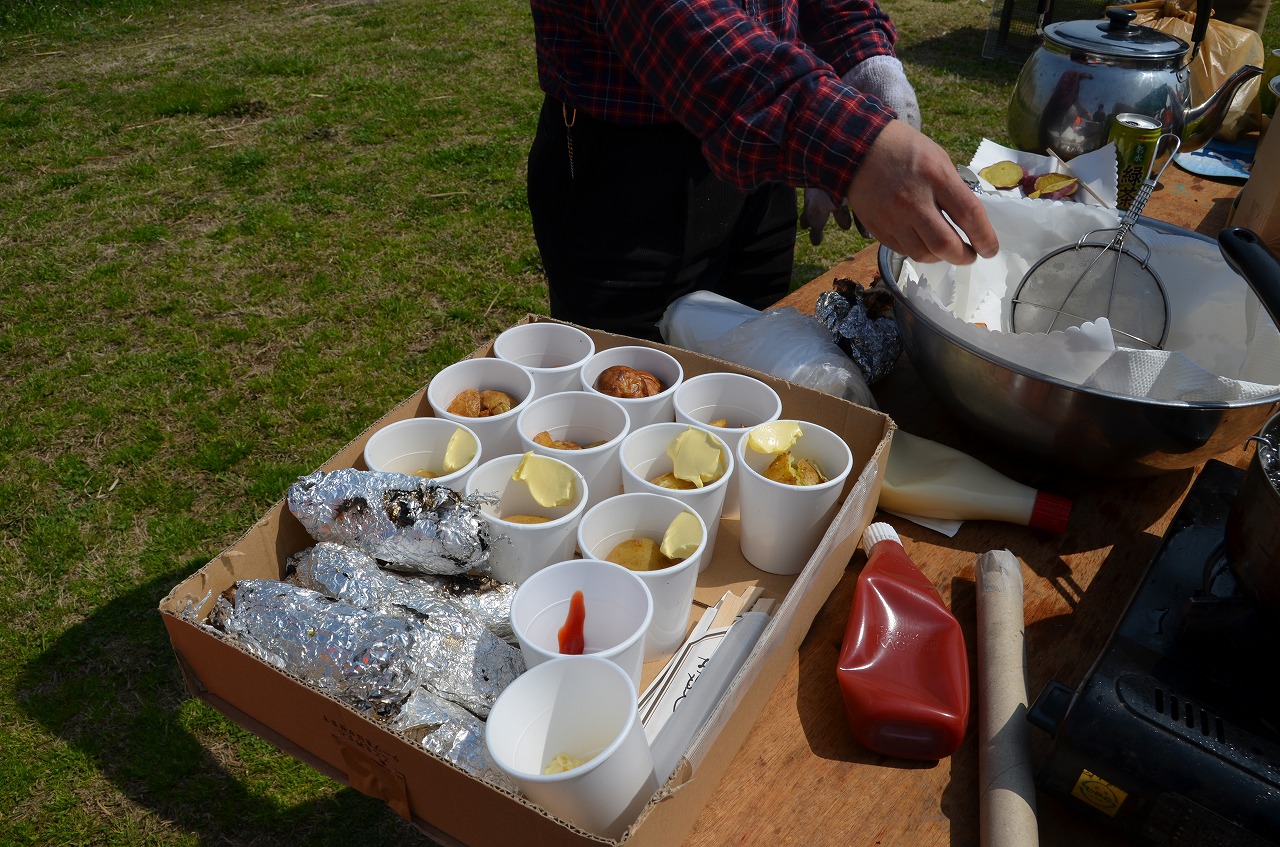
(1081,430)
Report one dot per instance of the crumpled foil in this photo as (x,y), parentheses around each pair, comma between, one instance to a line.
(450,732)
(371,660)
(346,573)
(861,320)
(365,659)
(461,660)
(402,520)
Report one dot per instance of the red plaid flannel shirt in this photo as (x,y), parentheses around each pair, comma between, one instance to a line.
(758,81)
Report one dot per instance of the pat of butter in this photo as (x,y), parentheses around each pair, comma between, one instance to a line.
(682,537)
(460,450)
(550,482)
(696,457)
(775,437)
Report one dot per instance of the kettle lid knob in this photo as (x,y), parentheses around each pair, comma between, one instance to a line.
(1118,19)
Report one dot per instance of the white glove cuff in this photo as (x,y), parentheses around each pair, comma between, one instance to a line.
(883,77)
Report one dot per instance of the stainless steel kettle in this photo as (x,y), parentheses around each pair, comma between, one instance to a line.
(1084,73)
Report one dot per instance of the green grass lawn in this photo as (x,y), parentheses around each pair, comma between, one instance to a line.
(233,234)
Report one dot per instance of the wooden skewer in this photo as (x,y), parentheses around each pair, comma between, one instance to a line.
(1081,182)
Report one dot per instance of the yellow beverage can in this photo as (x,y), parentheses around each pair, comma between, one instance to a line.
(1136,138)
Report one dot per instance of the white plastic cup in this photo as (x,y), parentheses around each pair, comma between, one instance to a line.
(741,400)
(552,353)
(642,410)
(618,604)
(579,706)
(518,550)
(416,444)
(628,516)
(584,417)
(783,524)
(496,433)
(643,456)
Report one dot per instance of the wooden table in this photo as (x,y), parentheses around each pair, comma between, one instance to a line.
(801,780)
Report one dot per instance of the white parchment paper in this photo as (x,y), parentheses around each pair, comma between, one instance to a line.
(1096,169)
(1222,345)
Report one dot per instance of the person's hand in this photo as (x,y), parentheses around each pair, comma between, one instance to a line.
(818,207)
(903,188)
(883,78)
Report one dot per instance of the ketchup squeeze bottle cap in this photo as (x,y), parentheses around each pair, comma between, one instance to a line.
(877,532)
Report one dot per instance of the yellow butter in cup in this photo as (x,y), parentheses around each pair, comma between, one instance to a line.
(696,457)
(774,438)
(682,537)
(551,483)
(460,450)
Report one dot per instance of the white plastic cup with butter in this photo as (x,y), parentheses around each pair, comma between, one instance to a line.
(656,407)
(783,521)
(592,423)
(730,404)
(659,539)
(568,734)
(440,450)
(619,609)
(534,521)
(496,431)
(552,353)
(691,463)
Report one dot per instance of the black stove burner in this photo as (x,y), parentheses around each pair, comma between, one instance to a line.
(1173,737)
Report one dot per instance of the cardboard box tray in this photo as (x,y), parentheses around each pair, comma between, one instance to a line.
(437,797)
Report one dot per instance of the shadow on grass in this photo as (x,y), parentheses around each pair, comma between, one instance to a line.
(110,688)
(959,52)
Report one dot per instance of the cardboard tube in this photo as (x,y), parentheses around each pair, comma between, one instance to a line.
(1007,801)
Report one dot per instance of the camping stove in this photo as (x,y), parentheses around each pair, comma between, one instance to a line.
(1174,736)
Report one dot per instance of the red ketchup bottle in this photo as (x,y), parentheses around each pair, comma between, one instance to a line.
(903,669)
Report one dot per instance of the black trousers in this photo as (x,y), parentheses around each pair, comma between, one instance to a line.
(634,219)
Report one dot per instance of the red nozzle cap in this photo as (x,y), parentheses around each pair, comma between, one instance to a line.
(1050,512)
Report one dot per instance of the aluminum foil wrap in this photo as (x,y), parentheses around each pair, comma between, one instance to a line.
(346,573)
(402,520)
(365,659)
(370,660)
(861,320)
(461,660)
(457,656)
(452,733)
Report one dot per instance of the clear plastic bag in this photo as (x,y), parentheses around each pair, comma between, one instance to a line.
(781,342)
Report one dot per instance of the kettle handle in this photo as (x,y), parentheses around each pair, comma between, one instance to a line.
(1204,10)
(1248,256)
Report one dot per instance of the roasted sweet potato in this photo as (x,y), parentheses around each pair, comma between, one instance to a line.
(1005,174)
(1054,187)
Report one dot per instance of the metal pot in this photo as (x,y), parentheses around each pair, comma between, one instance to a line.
(1084,73)
(1081,430)
(1253,527)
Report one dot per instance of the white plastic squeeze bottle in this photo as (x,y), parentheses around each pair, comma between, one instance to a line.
(932,480)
